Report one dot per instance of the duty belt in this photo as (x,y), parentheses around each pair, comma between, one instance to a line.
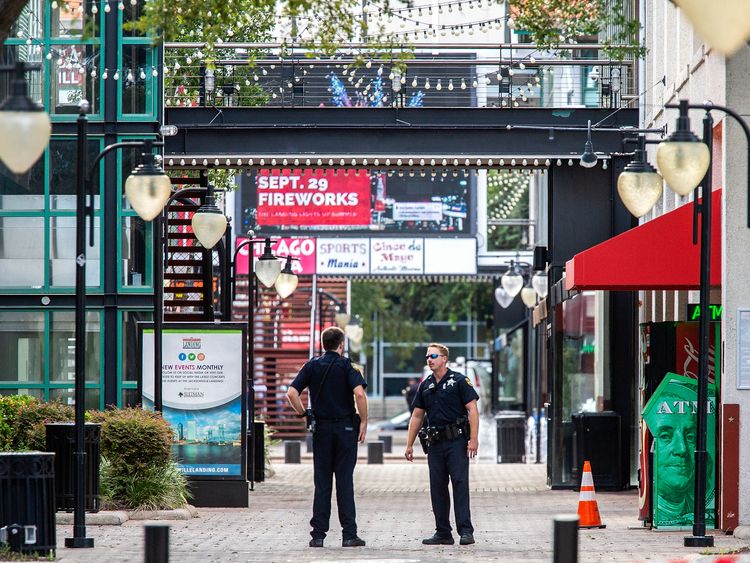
(431,435)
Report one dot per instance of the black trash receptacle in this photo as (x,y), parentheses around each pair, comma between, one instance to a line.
(598,441)
(27,497)
(511,437)
(61,439)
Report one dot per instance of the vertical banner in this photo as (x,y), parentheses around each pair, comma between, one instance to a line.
(671,416)
(202,395)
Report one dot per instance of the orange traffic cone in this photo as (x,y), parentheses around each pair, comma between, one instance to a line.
(588,511)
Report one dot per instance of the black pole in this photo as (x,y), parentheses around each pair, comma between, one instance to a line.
(251,356)
(158,308)
(565,539)
(699,537)
(157,543)
(79,538)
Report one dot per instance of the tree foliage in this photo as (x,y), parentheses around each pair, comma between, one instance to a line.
(399,310)
(552,22)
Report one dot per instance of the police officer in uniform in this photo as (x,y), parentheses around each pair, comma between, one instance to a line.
(334,385)
(449,401)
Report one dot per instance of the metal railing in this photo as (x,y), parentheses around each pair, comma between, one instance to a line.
(459,75)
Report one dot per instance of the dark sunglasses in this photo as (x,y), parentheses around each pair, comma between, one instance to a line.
(432,356)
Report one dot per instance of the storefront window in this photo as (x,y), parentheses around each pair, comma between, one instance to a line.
(62,346)
(74,79)
(129,343)
(508,210)
(21,252)
(63,156)
(74,18)
(22,192)
(136,76)
(62,233)
(21,347)
(133,252)
(510,371)
(580,379)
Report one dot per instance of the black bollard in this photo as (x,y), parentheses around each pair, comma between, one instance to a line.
(374,452)
(292,452)
(157,543)
(565,539)
(387,443)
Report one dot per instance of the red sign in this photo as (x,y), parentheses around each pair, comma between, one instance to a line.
(310,198)
(298,247)
(686,361)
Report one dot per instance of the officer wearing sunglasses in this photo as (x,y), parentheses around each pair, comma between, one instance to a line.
(449,402)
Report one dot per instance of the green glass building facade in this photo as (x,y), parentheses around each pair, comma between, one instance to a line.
(86,52)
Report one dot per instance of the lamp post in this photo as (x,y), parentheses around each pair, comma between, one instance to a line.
(285,282)
(145,188)
(685,163)
(25,127)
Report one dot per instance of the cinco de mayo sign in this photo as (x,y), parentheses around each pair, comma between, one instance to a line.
(309,198)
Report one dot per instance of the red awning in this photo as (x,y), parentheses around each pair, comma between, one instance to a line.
(658,254)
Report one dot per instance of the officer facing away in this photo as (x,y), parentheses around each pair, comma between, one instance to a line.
(334,386)
(450,440)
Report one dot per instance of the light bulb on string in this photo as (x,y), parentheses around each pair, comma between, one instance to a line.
(116,75)
(120,6)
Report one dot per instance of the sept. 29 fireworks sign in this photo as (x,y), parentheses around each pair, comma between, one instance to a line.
(304,197)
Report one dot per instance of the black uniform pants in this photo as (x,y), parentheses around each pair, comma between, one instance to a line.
(334,453)
(448,460)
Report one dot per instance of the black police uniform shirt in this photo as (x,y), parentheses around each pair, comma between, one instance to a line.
(336,400)
(445,401)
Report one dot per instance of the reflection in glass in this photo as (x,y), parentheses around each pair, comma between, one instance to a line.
(21,346)
(129,342)
(67,396)
(135,77)
(74,18)
(130,398)
(62,346)
(7,391)
(22,252)
(30,22)
(507,210)
(510,371)
(62,160)
(74,78)
(133,252)
(62,246)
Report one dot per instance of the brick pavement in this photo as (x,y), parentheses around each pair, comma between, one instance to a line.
(512,511)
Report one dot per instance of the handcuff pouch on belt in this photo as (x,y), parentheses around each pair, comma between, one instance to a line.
(431,435)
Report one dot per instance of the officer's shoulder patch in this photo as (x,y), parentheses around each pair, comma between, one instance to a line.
(468,381)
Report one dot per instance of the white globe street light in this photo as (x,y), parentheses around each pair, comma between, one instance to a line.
(209,223)
(25,127)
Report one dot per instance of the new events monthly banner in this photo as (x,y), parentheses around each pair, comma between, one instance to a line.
(202,382)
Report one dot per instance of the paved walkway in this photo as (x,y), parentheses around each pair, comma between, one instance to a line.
(512,512)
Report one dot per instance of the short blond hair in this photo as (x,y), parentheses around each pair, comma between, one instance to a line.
(443,348)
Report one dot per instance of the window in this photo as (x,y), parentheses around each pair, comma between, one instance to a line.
(75,76)
(22,251)
(37,348)
(508,210)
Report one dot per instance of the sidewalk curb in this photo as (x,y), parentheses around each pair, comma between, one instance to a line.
(119,517)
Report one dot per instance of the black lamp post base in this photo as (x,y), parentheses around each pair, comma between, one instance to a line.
(84,542)
(699,541)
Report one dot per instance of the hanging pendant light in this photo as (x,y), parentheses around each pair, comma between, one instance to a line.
(502,297)
(267,268)
(209,223)
(148,188)
(528,296)
(539,283)
(512,280)
(683,160)
(588,158)
(25,127)
(287,280)
(639,186)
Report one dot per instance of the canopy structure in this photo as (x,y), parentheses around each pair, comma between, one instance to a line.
(657,255)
